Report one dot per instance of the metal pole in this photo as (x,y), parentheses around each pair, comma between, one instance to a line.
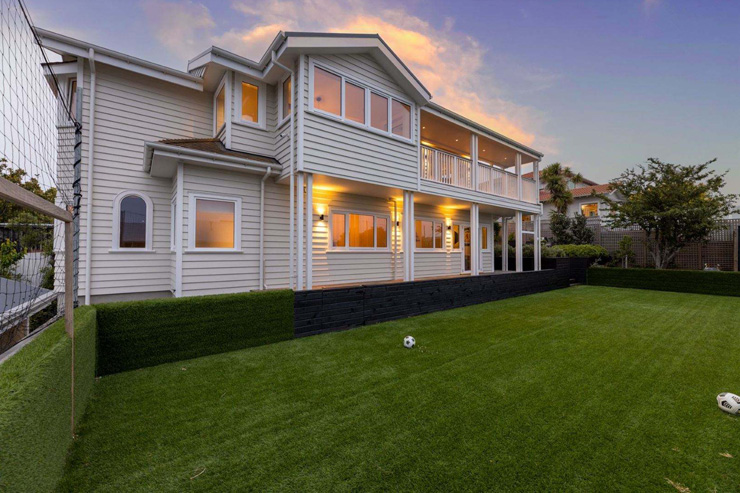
(69,310)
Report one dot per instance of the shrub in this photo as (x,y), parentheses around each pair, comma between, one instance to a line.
(585,251)
(35,403)
(683,281)
(145,333)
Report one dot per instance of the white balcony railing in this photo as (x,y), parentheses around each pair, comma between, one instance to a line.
(529,191)
(444,167)
(496,181)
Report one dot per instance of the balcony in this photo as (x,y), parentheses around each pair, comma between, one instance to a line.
(445,157)
(446,167)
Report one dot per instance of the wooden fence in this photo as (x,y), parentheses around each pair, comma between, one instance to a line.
(721,249)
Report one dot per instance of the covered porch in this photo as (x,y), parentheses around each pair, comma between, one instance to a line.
(351,233)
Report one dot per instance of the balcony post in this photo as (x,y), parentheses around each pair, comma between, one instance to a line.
(536,176)
(474,161)
(519,176)
(518,248)
(504,244)
(474,240)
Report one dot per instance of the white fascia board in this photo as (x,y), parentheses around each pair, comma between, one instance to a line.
(446,114)
(228,63)
(154,149)
(69,46)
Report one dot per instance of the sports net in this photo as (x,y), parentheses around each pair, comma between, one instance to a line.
(40,152)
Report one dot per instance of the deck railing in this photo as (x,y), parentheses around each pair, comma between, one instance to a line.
(529,191)
(445,167)
(450,169)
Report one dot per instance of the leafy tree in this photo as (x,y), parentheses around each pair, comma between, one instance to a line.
(9,210)
(673,204)
(555,178)
(579,230)
(624,254)
(10,255)
(560,228)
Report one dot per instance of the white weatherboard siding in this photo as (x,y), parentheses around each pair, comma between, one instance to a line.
(340,149)
(130,110)
(232,272)
(332,266)
(249,138)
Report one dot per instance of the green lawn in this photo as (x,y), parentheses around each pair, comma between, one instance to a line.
(586,388)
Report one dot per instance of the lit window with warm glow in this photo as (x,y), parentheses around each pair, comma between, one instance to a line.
(456,236)
(429,234)
(214,223)
(379,112)
(354,103)
(484,238)
(220,108)
(338,230)
(287,98)
(590,210)
(250,102)
(401,114)
(359,231)
(327,90)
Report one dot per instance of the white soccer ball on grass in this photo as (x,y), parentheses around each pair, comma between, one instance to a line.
(729,403)
(409,342)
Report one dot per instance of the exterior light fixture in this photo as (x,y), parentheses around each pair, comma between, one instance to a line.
(321,217)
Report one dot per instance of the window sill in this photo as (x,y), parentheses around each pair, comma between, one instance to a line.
(245,123)
(431,250)
(372,130)
(132,250)
(357,250)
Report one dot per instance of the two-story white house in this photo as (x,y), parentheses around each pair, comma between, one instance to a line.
(323,163)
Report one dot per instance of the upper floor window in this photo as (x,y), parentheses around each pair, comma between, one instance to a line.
(132,222)
(359,231)
(72,98)
(590,210)
(286,99)
(351,101)
(220,107)
(250,102)
(327,91)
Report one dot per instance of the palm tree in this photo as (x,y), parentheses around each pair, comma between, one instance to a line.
(556,178)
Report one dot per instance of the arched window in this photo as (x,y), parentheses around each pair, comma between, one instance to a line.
(132,222)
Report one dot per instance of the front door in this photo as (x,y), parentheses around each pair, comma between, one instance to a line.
(466,249)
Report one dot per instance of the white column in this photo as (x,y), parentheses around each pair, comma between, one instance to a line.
(299,191)
(504,244)
(519,176)
(474,161)
(536,175)
(474,240)
(408,235)
(537,244)
(493,245)
(309,230)
(518,248)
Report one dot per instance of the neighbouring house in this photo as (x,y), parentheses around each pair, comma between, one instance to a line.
(583,200)
(324,162)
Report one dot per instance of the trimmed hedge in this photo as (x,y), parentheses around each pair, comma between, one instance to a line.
(682,281)
(580,251)
(137,334)
(35,404)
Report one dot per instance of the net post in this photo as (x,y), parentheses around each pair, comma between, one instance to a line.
(69,299)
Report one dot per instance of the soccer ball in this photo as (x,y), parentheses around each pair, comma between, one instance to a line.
(729,403)
(409,342)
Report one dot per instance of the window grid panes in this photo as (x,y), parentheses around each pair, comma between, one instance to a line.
(401,115)
(287,98)
(220,108)
(327,89)
(429,234)
(378,112)
(250,102)
(214,223)
(132,226)
(354,103)
(359,231)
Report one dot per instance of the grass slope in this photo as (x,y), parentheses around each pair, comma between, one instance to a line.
(588,388)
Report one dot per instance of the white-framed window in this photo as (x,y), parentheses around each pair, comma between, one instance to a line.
(336,95)
(219,106)
(429,234)
(173,223)
(285,100)
(214,223)
(251,101)
(485,241)
(132,222)
(357,230)
(455,238)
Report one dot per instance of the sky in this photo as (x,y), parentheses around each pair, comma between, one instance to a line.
(597,85)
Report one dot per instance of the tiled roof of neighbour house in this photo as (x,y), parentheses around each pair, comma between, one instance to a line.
(215,146)
(585,180)
(580,192)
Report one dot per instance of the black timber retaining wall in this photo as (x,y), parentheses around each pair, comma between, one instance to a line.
(330,309)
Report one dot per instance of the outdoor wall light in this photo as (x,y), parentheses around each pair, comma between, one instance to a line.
(321,217)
